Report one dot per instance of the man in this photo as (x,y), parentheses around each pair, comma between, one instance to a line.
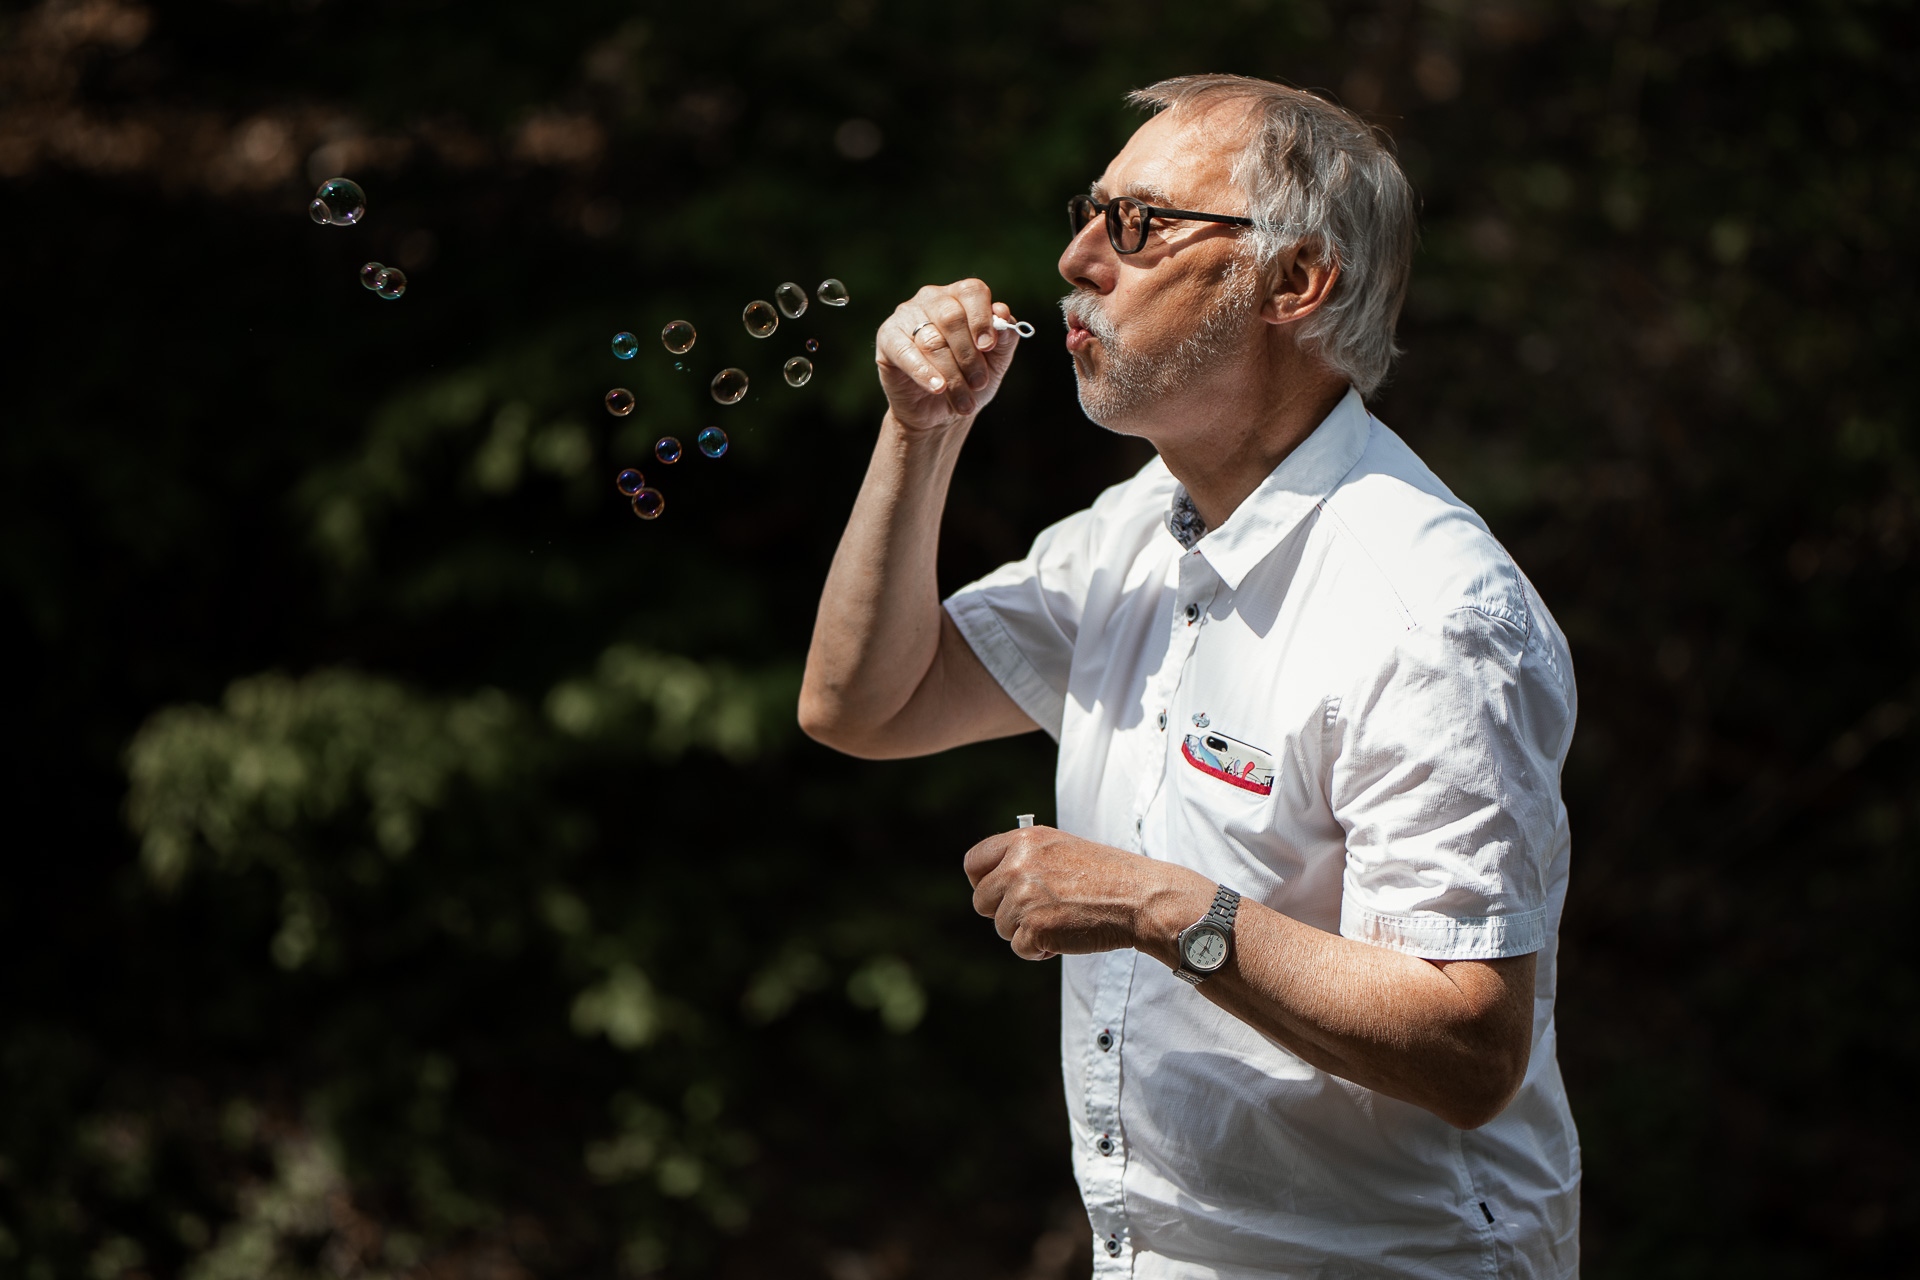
(1311,852)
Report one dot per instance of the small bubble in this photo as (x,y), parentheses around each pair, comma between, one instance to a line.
(390,283)
(619,402)
(678,337)
(833,293)
(341,201)
(760,318)
(370,274)
(667,449)
(813,345)
(729,385)
(796,371)
(792,300)
(648,504)
(630,482)
(624,345)
(712,441)
(679,367)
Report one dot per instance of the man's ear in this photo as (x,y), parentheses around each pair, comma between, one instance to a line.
(1299,282)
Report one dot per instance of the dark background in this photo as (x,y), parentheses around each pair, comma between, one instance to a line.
(412,866)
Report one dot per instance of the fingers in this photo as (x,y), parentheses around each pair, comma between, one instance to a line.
(983,858)
(896,346)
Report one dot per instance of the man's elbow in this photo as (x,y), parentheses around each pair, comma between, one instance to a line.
(1493,1086)
(824,719)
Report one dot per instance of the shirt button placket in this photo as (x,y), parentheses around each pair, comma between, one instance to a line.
(1103,1168)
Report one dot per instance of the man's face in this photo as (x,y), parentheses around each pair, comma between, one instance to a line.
(1146,326)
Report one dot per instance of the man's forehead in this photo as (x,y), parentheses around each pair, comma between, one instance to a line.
(1174,157)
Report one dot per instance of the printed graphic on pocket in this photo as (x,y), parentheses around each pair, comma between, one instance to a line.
(1245,766)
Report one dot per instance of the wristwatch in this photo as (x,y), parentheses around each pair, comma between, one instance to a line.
(1205,944)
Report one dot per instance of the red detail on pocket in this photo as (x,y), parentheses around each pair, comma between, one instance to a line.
(1245,784)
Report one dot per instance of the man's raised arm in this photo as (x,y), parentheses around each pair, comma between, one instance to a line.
(888,674)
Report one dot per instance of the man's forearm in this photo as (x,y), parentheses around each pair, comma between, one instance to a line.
(878,630)
(1451,1038)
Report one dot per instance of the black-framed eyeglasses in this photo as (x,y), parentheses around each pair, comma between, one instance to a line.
(1128,219)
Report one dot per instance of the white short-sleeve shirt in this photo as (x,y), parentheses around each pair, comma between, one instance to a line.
(1348,703)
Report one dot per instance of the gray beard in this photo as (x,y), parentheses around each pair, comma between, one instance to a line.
(1131,380)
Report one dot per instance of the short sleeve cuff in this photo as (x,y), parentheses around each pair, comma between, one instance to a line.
(1437,937)
(988,638)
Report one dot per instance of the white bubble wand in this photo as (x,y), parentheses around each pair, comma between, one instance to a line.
(1020,327)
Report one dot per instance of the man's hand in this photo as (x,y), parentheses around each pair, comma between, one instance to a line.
(940,357)
(1051,893)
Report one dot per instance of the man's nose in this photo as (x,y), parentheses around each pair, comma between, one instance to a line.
(1089,261)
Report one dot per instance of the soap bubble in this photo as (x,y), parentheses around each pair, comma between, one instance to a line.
(624,345)
(792,300)
(813,345)
(370,274)
(619,402)
(833,293)
(729,385)
(667,449)
(630,482)
(339,201)
(796,371)
(760,318)
(678,337)
(390,283)
(648,504)
(712,441)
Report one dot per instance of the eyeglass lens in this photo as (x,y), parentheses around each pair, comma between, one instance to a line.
(1126,221)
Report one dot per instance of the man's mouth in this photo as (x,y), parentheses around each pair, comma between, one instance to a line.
(1078,336)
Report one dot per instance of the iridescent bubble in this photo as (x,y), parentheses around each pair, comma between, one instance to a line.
(796,371)
(630,482)
(667,449)
(833,293)
(712,441)
(619,402)
(791,299)
(678,337)
(390,283)
(648,504)
(760,318)
(341,199)
(370,274)
(813,345)
(624,345)
(729,385)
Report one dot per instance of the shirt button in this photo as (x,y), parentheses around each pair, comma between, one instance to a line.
(1139,825)
(1193,611)
(1104,1146)
(1163,719)
(1112,1247)
(1104,1040)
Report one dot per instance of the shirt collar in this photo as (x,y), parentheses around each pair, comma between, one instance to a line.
(1271,512)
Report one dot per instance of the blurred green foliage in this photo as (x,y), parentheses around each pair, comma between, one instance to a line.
(415,870)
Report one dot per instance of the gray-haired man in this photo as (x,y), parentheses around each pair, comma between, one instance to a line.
(1311,852)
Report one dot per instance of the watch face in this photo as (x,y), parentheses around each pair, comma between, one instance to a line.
(1206,949)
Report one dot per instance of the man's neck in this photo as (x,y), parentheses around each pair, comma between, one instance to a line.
(1225,445)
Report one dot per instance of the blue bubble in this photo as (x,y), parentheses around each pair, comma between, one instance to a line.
(624,345)
(630,482)
(712,442)
(667,449)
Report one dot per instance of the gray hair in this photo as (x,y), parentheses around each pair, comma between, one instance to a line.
(1317,176)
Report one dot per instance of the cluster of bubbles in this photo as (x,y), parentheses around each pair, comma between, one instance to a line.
(341,203)
(388,282)
(729,386)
